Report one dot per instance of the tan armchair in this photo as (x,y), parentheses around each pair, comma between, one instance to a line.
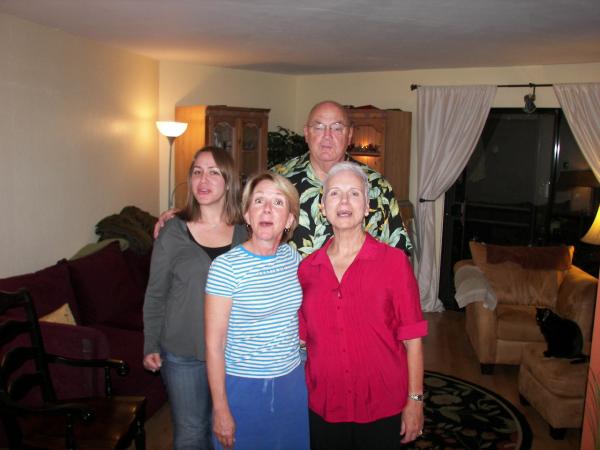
(499,335)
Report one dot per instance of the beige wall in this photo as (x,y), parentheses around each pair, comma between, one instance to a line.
(77,141)
(195,84)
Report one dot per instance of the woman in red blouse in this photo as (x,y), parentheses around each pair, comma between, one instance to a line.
(362,323)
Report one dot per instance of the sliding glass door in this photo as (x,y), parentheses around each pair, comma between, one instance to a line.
(522,186)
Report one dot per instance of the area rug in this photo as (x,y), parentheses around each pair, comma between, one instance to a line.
(462,415)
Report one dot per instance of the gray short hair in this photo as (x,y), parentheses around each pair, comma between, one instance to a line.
(350,167)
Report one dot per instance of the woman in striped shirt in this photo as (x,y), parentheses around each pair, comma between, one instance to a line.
(253,295)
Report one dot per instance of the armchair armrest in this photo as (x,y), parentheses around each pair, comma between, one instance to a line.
(480,320)
(577,299)
(481,326)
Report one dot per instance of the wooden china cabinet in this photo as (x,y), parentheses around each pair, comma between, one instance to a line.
(381,139)
(241,131)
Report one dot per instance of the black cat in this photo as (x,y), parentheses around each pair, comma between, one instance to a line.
(563,336)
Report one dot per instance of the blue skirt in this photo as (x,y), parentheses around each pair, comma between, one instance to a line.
(269,413)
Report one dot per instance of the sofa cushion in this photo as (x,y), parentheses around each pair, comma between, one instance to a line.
(105,289)
(528,283)
(50,288)
(537,258)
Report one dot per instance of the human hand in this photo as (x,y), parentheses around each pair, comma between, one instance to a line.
(152,362)
(412,421)
(162,219)
(224,429)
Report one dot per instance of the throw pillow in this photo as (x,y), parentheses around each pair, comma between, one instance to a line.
(105,288)
(139,266)
(535,282)
(61,315)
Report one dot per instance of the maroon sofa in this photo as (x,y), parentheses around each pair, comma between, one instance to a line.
(105,291)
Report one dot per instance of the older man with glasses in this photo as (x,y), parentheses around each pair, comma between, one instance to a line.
(328,132)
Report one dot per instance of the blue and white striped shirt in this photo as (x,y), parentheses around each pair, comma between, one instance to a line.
(262,337)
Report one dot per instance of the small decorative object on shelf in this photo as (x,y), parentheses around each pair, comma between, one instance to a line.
(358,149)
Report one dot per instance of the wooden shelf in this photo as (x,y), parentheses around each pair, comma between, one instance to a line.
(389,131)
(352,153)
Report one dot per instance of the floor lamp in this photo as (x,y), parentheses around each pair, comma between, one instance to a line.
(171,130)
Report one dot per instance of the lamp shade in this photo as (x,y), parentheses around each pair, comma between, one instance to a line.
(171,129)
(593,234)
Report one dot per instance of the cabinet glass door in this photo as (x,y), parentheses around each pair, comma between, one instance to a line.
(223,135)
(250,148)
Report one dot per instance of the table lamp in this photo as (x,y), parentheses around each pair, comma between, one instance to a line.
(593,234)
(171,130)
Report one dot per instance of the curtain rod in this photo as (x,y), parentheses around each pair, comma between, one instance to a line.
(530,85)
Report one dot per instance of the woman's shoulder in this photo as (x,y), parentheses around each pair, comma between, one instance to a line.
(235,252)
(172,228)
(287,251)
(226,261)
(314,258)
(381,250)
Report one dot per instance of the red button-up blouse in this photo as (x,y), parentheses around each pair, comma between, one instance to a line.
(356,369)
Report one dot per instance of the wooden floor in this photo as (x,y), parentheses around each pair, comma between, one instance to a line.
(447,350)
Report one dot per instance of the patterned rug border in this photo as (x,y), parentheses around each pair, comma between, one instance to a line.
(519,417)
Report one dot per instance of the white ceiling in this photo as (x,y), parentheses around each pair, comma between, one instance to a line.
(330,36)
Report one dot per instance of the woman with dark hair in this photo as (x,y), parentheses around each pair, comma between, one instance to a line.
(208,226)
(255,371)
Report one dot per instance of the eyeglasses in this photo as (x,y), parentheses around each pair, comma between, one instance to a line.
(335,128)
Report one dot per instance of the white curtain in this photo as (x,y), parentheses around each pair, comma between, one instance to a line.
(449,123)
(581,105)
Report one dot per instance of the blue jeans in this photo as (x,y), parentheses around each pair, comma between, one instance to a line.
(189,398)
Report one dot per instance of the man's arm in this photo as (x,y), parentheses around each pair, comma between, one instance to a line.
(384,221)
(162,219)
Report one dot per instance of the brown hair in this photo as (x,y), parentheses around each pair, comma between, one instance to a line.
(226,165)
(288,190)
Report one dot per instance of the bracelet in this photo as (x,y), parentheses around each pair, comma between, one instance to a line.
(416,397)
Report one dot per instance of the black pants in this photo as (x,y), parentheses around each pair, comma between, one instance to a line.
(383,434)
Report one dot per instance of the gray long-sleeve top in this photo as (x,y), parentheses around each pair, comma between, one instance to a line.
(174,301)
